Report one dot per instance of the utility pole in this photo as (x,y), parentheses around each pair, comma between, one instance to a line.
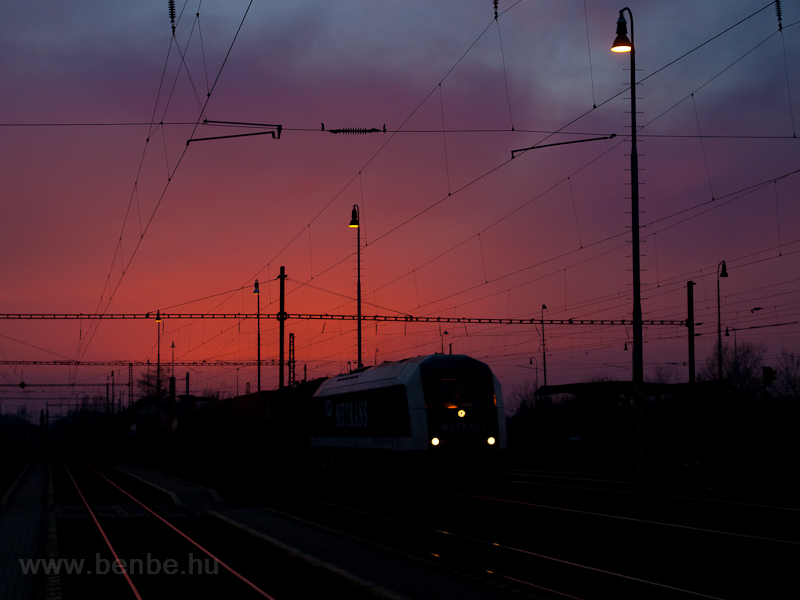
(282,324)
(257,292)
(544,355)
(693,456)
(291,360)
(690,325)
(158,363)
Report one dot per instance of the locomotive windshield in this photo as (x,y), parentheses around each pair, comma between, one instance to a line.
(456,382)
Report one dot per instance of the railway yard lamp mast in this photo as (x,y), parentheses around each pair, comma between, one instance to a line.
(722,273)
(623,44)
(158,364)
(354,222)
(536,371)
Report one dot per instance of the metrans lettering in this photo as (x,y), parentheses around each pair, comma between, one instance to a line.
(351,414)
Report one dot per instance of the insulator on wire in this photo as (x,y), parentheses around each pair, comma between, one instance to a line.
(355,130)
(779,12)
(172,14)
(495,8)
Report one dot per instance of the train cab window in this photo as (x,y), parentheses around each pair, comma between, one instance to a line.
(456,382)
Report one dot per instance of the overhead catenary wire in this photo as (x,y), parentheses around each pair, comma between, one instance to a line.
(309,229)
(165,188)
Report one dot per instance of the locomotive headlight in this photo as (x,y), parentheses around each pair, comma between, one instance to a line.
(491,441)
(435,441)
(461,413)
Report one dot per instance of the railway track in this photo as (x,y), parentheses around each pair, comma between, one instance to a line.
(120,539)
(569,540)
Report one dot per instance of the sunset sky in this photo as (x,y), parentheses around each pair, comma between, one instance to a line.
(106,209)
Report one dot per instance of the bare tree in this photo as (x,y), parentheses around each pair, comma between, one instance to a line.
(148,382)
(522,398)
(788,374)
(665,374)
(741,366)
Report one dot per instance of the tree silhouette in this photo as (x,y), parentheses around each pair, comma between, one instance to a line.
(741,366)
(787,383)
(147,383)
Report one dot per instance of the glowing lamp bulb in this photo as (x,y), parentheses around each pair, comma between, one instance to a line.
(491,441)
(462,413)
(435,442)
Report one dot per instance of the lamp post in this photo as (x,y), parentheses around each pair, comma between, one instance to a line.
(158,364)
(720,273)
(623,44)
(258,338)
(544,356)
(354,222)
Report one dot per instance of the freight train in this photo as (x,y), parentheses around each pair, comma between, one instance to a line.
(436,411)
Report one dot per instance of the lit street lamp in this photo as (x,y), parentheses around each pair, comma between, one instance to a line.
(723,273)
(354,222)
(623,44)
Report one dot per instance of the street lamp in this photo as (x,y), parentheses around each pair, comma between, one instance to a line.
(623,44)
(158,364)
(258,337)
(533,358)
(354,222)
(544,356)
(722,273)
(444,333)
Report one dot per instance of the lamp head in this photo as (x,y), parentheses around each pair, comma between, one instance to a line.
(158,317)
(724,272)
(256,290)
(622,43)
(354,218)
